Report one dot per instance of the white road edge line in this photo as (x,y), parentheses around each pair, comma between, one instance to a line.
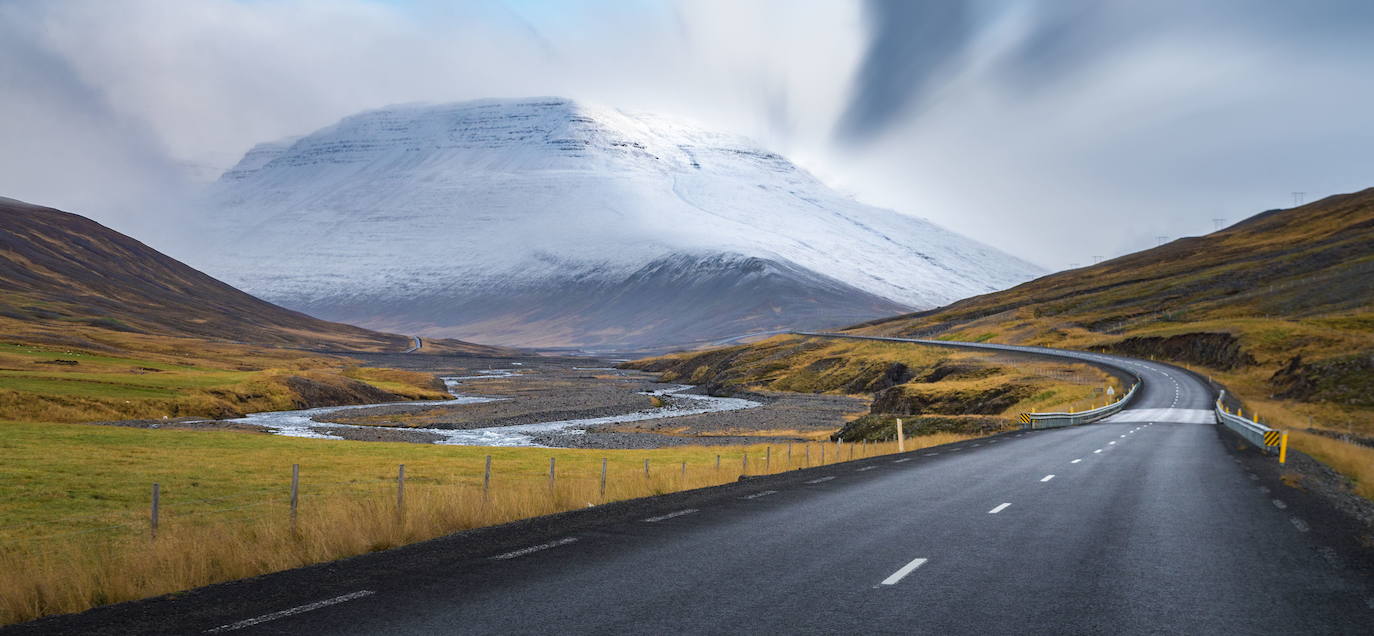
(670,515)
(289,612)
(817,481)
(535,548)
(901,574)
(1098,450)
(1075,461)
(904,459)
(760,494)
(998,509)
(865,468)
(1047,478)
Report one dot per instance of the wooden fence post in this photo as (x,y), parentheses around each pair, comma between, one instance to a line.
(486,479)
(295,491)
(603,479)
(767,459)
(152,516)
(400,491)
(646,469)
(552,477)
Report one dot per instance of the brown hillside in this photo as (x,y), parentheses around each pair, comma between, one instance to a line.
(63,270)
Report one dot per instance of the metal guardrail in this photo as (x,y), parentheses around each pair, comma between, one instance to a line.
(1251,431)
(1036,421)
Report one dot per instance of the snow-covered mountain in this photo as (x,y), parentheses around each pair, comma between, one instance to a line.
(549,222)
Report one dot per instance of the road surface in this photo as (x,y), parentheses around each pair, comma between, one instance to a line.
(1151,522)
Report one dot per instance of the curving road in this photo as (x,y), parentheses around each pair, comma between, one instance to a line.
(1148,523)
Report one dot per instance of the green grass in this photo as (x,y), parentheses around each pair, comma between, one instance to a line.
(76,386)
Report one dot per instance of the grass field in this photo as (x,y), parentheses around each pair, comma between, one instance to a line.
(75,500)
(131,376)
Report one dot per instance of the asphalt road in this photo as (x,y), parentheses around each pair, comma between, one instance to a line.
(1150,523)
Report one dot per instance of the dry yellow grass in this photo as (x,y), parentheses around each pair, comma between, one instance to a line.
(1354,461)
(62,573)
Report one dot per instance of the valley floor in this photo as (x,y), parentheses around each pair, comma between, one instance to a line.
(524,392)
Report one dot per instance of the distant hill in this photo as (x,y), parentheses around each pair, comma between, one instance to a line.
(60,270)
(1298,264)
(1280,306)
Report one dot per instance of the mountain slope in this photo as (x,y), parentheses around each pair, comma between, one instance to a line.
(60,270)
(1280,307)
(536,221)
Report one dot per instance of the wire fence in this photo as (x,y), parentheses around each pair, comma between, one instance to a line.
(169,507)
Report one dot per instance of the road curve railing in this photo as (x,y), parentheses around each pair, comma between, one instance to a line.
(1036,421)
(1029,421)
(1263,437)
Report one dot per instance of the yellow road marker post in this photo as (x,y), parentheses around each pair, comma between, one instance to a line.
(1283,448)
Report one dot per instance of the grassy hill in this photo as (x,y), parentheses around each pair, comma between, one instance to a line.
(95,325)
(934,389)
(1280,307)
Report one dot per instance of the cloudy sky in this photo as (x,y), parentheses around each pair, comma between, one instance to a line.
(1058,130)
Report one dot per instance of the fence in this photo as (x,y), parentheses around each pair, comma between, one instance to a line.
(176,540)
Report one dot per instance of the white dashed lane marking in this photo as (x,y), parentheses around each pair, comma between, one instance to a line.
(289,612)
(905,570)
(1047,478)
(998,509)
(533,549)
(670,515)
(1075,461)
